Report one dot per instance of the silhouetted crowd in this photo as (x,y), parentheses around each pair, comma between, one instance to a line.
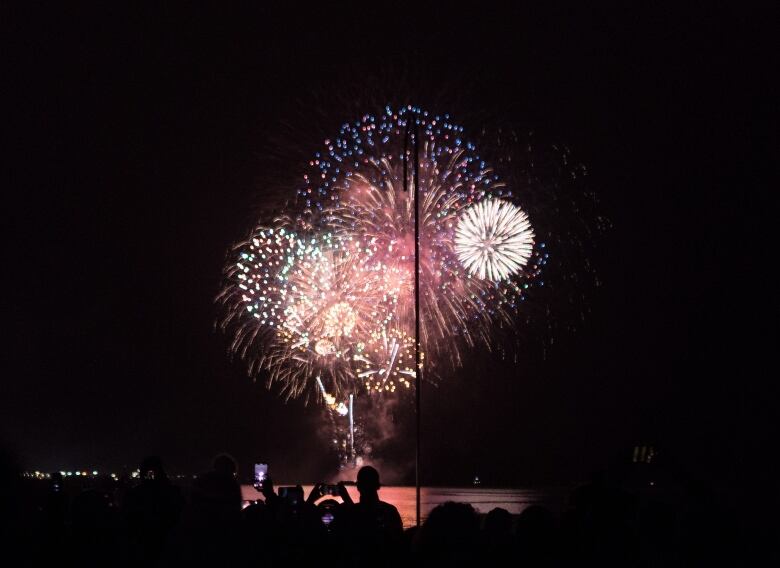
(156,523)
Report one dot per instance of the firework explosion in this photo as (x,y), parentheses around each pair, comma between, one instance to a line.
(494,239)
(312,306)
(323,298)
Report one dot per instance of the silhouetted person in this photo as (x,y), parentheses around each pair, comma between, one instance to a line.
(210,531)
(370,531)
(55,509)
(18,535)
(497,535)
(256,526)
(537,536)
(297,533)
(449,536)
(151,509)
(216,495)
(599,527)
(94,534)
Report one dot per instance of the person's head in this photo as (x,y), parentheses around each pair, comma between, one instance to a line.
(451,530)
(368,481)
(225,465)
(498,522)
(152,469)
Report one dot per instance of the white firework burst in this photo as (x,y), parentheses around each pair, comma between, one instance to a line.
(493,239)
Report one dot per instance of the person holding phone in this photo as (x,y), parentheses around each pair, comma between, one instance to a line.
(324,489)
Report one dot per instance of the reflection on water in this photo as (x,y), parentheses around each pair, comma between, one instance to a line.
(482,499)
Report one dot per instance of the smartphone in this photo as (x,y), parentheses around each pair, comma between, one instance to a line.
(293,495)
(327,518)
(261,473)
(330,490)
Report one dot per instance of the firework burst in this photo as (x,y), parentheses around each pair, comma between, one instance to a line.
(304,307)
(494,239)
(327,292)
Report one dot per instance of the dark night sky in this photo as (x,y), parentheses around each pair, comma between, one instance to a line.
(141,144)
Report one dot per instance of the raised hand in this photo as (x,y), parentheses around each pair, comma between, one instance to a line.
(344,494)
(316,493)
